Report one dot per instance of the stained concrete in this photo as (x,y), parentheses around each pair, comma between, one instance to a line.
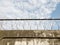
(25,37)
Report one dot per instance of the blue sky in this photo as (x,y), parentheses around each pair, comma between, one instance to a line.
(31,9)
(56,13)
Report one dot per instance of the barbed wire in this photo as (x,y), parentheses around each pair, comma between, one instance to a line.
(30,24)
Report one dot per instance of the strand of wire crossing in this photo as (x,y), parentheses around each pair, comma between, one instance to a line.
(56,21)
(25,19)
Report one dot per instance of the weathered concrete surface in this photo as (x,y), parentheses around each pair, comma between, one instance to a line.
(30,33)
(31,37)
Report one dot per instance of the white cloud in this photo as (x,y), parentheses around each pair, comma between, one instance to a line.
(30,9)
(8,8)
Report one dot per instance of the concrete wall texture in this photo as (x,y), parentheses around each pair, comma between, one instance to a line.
(25,37)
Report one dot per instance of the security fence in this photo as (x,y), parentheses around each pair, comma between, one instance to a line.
(29,24)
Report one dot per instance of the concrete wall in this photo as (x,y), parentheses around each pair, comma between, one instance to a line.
(30,37)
